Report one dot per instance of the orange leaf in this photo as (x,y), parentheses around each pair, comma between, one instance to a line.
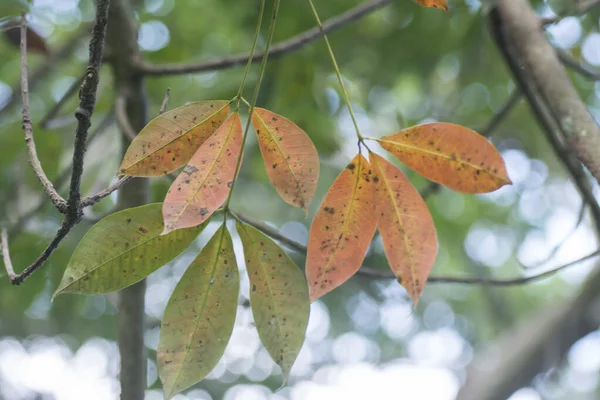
(169,140)
(406,227)
(205,181)
(290,157)
(342,229)
(434,3)
(450,154)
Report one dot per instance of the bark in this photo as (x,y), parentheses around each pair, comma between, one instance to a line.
(122,39)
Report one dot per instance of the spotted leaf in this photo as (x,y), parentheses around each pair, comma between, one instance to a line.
(278,297)
(122,249)
(451,155)
(205,181)
(290,157)
(342,230)
(199,317)
(169,140)
(405,225)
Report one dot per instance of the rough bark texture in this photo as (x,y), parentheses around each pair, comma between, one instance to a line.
(122,41)
(541,65)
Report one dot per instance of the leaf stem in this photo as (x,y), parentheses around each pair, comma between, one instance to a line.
(256,34)
(261,73)
(339,75)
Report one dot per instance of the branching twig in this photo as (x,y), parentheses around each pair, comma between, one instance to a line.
(277,50)
(382,274)
(87,96)
(56,198)
(93,199)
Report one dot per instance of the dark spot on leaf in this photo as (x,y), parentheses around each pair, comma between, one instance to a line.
(142,229)
(351,166)
(203,211)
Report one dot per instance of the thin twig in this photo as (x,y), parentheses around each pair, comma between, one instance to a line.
(122,121)
(34,161)
(513,99)
(165,102)
(87,96)
(581,8)
(45,122)
(571,63)
(6,256)
(382,274)
(93,199)
(277,50)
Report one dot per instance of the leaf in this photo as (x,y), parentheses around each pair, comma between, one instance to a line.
(169,140)
(205,182)
(434,3)
(122,249)
(290,157)
(278,297)
(405,225)
(199,317)
(450,154)
(35,42)
(342,229)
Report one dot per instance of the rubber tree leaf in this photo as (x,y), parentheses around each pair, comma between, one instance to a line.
(290,157)
(451,155)
(122,249)
(278,297)
(168,141)
(434,3)
(205,181)
(342,230)
(199,317)
(405,225)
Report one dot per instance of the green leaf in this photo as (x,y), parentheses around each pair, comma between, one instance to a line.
(199,317)
(278,297)
(122,249)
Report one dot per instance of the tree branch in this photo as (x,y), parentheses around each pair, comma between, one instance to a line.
(6,255)
(540,66)
(383,274)
(542,110)
(277,50)
(91,200)
(87,96)
(34,161)
(122,120)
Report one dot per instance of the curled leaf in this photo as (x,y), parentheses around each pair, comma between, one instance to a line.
(199,317)
(406,227)
(169,140)
(205,181)
(342,229)
(278,297)
(290,157)
(451,155)
(122,249)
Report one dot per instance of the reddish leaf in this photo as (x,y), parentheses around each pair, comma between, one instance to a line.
(169,140)
(290,157)
(35,43)
(434,3)
(450,154)
(406,227)
(205,181)
(342,229)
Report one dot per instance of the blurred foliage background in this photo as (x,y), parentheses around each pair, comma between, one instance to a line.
(404,65)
